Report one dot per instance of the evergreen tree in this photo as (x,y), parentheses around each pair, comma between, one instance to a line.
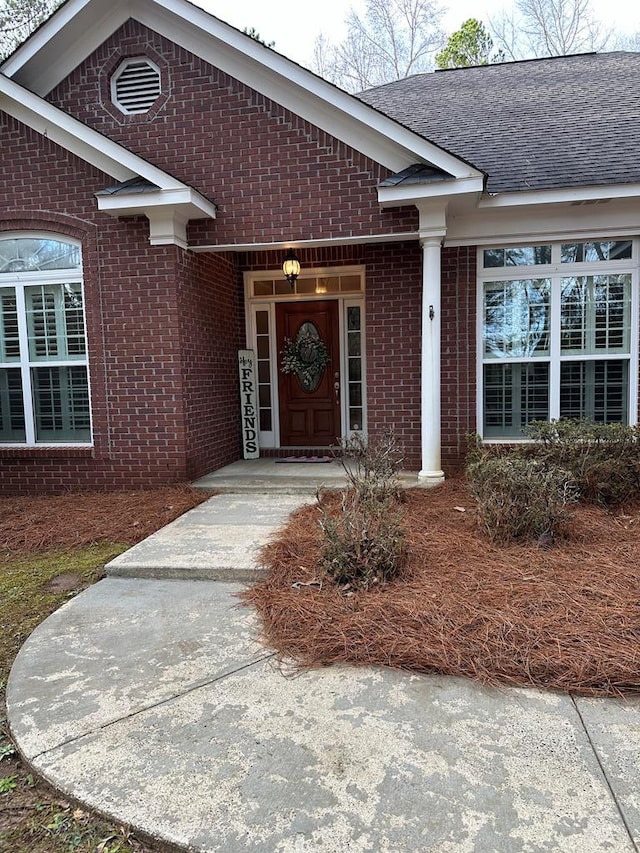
(470,45)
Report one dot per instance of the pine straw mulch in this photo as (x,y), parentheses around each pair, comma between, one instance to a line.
(563,618)
(37,523)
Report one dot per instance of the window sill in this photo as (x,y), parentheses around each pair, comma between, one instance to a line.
(513,440)
(47,450)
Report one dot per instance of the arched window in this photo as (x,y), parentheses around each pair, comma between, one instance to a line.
(44,382)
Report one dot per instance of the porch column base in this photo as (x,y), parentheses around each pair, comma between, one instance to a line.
(430,478)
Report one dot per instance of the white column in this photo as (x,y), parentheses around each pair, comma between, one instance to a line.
(430,473)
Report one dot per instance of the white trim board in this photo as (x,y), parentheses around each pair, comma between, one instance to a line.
(542,223)
(308,244)
(77,138)
(403,194)
(574,195)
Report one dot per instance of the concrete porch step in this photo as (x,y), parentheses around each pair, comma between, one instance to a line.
(218,540)
(283,478)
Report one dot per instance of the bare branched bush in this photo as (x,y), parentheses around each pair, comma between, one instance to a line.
(364,545)
(372,467)
(519,498)
(604,459)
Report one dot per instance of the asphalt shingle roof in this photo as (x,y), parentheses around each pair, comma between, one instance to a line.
(547,123)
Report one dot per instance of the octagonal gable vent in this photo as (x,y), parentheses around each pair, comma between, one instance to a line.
(136,85)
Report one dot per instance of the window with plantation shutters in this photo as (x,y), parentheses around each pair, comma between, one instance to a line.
(44,370)
(136,86)
(559,334)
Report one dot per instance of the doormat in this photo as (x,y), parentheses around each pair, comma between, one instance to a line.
(312,459)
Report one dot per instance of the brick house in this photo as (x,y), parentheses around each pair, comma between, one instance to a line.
(468,248)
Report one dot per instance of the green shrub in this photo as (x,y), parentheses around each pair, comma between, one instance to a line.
(604,459)
(520,498)
(364,545)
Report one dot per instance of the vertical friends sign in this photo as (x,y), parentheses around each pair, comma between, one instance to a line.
(248,404)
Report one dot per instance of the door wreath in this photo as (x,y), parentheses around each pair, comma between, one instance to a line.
(307,356)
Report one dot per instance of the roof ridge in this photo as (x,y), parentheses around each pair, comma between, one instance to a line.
(523,61)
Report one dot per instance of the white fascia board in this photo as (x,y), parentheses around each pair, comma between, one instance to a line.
(299,90)
(187,202)
(542,223)
(308,244)
(73,32)
(73,136)
(559,196)
(403,194)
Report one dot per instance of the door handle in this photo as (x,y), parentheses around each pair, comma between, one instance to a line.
(336,388)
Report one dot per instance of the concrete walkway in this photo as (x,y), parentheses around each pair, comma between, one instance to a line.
(153,701)
(218,540)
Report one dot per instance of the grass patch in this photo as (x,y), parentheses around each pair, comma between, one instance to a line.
(27,596)
(57,826)
(51,548)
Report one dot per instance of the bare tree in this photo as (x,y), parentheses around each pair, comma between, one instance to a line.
(391,40)
(549,28)
(18,18)
(630,42)
(506,35)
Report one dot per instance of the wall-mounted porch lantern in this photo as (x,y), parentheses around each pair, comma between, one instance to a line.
(291,268)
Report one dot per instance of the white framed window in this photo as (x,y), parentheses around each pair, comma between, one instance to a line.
(44,376)
(136,85)
(558,334)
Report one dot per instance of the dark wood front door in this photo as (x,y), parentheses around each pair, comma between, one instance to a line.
(310,397)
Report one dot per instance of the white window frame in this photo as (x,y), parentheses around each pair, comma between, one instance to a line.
(271,439)
(20,281)
(556,271)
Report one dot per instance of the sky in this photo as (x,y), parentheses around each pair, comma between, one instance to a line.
(294,24)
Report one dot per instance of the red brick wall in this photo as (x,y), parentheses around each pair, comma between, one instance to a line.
(273,175)
(143,312)
(211,332)
(393,300)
